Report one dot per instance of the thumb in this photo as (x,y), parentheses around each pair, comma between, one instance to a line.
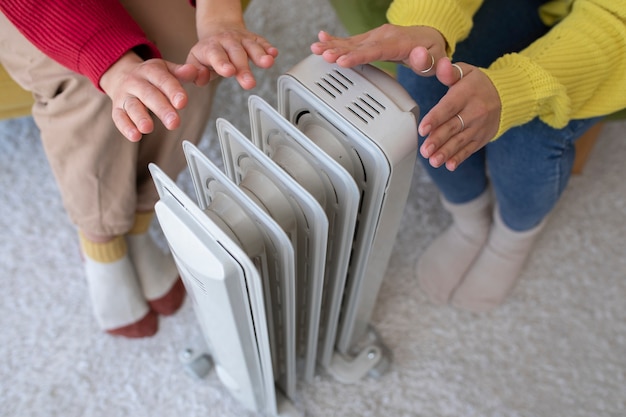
(205,74)
(185,73)
(421,61)
(449,73)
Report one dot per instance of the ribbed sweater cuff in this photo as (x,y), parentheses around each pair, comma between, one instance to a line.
(453,22)
(93,62)
(525,91)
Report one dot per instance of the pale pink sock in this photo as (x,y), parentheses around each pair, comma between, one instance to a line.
(442,266)
(496,270)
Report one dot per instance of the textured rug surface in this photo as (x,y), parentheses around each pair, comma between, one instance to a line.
(557,347)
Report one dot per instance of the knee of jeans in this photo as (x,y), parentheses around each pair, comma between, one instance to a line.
(525,215)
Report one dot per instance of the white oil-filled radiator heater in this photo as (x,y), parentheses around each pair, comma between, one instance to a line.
(283,254)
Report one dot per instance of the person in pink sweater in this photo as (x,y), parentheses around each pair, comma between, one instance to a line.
(118,85)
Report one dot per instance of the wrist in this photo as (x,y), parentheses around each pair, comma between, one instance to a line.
(116,71)
(211,12)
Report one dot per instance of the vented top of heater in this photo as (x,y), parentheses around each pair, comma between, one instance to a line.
(370,100)
(371,90)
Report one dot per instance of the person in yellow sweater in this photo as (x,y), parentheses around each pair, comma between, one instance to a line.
(505,88)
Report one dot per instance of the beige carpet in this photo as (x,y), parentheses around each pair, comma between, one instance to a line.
(556,348)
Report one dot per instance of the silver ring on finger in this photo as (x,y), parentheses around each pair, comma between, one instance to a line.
(458,116)
(432,64)
(460,70)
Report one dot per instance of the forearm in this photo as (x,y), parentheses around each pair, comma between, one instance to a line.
(452,18)
(86,39)
(211,12)
(575,71)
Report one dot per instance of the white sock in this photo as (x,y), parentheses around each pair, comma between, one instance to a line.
(114,290)
(442,266)
(496,270)
(156,270)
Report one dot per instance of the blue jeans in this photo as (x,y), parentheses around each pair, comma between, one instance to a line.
(530,165)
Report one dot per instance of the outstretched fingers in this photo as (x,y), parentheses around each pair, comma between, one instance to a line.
(153,88)
(417,46)
(464,120)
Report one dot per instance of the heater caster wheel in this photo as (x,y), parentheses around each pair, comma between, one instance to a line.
(381,368)
(384,363)
(197,364)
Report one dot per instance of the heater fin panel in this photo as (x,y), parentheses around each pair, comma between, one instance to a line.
(386,148)
(302,218)
(372,178)
(274,259)
(337,193)
(226,292)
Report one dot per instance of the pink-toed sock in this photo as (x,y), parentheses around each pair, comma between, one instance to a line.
(156,270)
(117,300)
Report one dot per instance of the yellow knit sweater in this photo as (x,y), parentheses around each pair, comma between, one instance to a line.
(576,71)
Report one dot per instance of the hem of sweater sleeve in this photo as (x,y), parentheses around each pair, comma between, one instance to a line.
(526,91)
(447,18)
(93,60)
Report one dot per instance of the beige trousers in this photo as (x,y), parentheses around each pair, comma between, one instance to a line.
(103,178)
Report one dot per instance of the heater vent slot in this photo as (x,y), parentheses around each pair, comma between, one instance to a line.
(341,75)
(326,89)
(366,108)
(334,83)
(372,102)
